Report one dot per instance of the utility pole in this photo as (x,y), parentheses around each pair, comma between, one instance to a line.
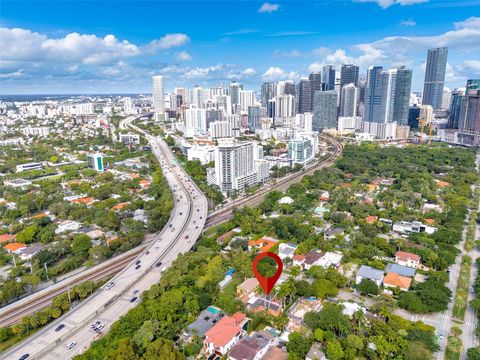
(46,271)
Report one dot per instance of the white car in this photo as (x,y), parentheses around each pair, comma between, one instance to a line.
(110,285)
(71,345)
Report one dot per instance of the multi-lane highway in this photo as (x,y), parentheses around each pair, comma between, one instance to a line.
(108,304)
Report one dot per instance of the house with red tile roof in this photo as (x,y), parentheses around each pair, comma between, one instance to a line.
(371,219)
(407,259)
(14,248)
(392,280)
(87,200)
(6,238)
(225,334)
(263,244)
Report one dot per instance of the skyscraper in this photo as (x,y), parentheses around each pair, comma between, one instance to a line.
(316,85)
(435,77)
(348,102)
(349,75)
(455,107)
(267,93)
(387,95)
(304,96)
(234,92)
(470,118)
(328,78)
(254,117)
(402,83)
(324,110)
(158,95)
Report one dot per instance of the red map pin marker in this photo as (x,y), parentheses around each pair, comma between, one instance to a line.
(267,283)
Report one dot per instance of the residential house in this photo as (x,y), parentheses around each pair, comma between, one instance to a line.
(111,236)
(246,289)
(28,252)
(393,280)
(286,250)
(432,207)
(263,244)
(370,273)
(312,258)
(6,238)
(371,219)
(297,312)
(67,225)
(330,259)
(315,353)
(262,304)
(350,308)
(332,233)
(400,270)
(223,239)
(406,227)
(225,334)
(407,259)
(14,248)
(325,196)
(275,353)
(252,347)
(205,321)
(87,200)
(95,234)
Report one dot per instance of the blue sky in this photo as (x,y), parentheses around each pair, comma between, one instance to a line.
(116,46)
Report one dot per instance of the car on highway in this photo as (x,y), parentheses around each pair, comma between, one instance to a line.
(158,264)
(138,262)
(109,285)
(135,292)
(132,300)
(59,327)
(24,356)
(442,335)
(99,327)
(186,237)
(71,345)
(138,267)
(181,213)
(95,324)
(147,253)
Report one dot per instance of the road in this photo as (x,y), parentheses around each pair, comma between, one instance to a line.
(107,305)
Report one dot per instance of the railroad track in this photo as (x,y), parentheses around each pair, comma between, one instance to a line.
(43,300)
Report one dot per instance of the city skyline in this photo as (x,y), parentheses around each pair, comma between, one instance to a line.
(52,52)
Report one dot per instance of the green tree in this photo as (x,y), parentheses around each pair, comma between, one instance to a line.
(368,287)
(334,350)
(298,345)
(81,245)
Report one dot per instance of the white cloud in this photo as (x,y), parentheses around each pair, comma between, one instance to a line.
(249,72)
(408,23)
(22,45)
(168,41)
(387,3)
(183,56)
(12,75)
(274,73)
(199,72)
(473,65)
(268,8)
(295,53)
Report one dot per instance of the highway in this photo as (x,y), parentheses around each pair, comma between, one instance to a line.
(107,305)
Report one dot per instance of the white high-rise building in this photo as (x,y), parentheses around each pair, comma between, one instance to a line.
(234,165)
(247,98)
(195,121)
(158,96)
(221,129)
(447,98)
(199,97)
(348,102)
(127,106)
(285,106)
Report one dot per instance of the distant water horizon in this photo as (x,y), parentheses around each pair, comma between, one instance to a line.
(43,97)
